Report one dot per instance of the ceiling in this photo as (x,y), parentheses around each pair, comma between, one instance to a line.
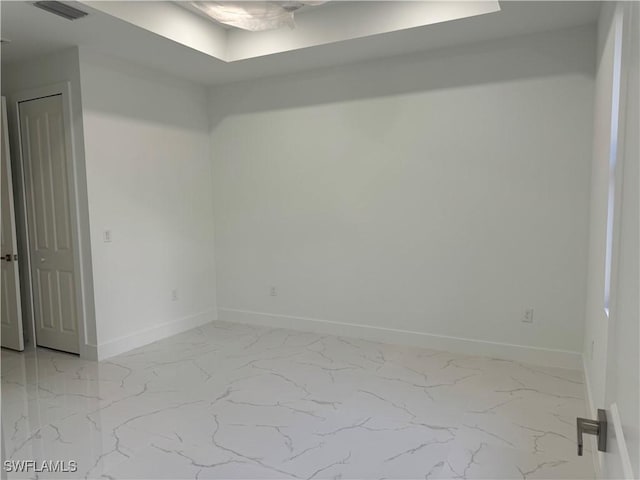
(191,47)
(338,22)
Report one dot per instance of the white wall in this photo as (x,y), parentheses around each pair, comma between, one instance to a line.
(145,142)
(434,194)
(18,78)
(611,364)
(149,183)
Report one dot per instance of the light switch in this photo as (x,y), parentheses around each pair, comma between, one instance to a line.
(106,236)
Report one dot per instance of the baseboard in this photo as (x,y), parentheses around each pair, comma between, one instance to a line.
(153,334)
(469,346)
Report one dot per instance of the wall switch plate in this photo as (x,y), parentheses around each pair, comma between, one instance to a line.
(273,291)
(106,236)
(528,316)
(174,295)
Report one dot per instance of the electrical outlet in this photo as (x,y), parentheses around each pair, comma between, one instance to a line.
(528,316)
(174,295)
(273,291)
(106,236)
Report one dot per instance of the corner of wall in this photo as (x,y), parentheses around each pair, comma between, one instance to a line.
(153,334)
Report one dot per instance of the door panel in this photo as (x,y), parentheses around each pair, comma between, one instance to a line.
(49,222)
(44,297)
(622,392)
(612,352)
(66,295)
(10,310)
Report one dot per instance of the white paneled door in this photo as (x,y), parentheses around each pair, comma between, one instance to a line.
(46,162)
(10,311)
(621,368)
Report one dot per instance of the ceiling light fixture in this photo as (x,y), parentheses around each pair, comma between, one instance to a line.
(253,16)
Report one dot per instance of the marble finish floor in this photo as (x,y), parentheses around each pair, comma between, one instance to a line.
(237,401)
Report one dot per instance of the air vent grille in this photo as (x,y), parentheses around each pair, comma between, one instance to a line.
(61,9)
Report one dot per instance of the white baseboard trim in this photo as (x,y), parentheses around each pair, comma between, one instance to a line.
(469,346)
(153,334)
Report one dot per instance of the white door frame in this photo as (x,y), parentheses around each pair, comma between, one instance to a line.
(12,234)
(620,23)
(624,15)
(83,281)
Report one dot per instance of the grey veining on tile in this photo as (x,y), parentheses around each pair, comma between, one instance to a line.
(238,401)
